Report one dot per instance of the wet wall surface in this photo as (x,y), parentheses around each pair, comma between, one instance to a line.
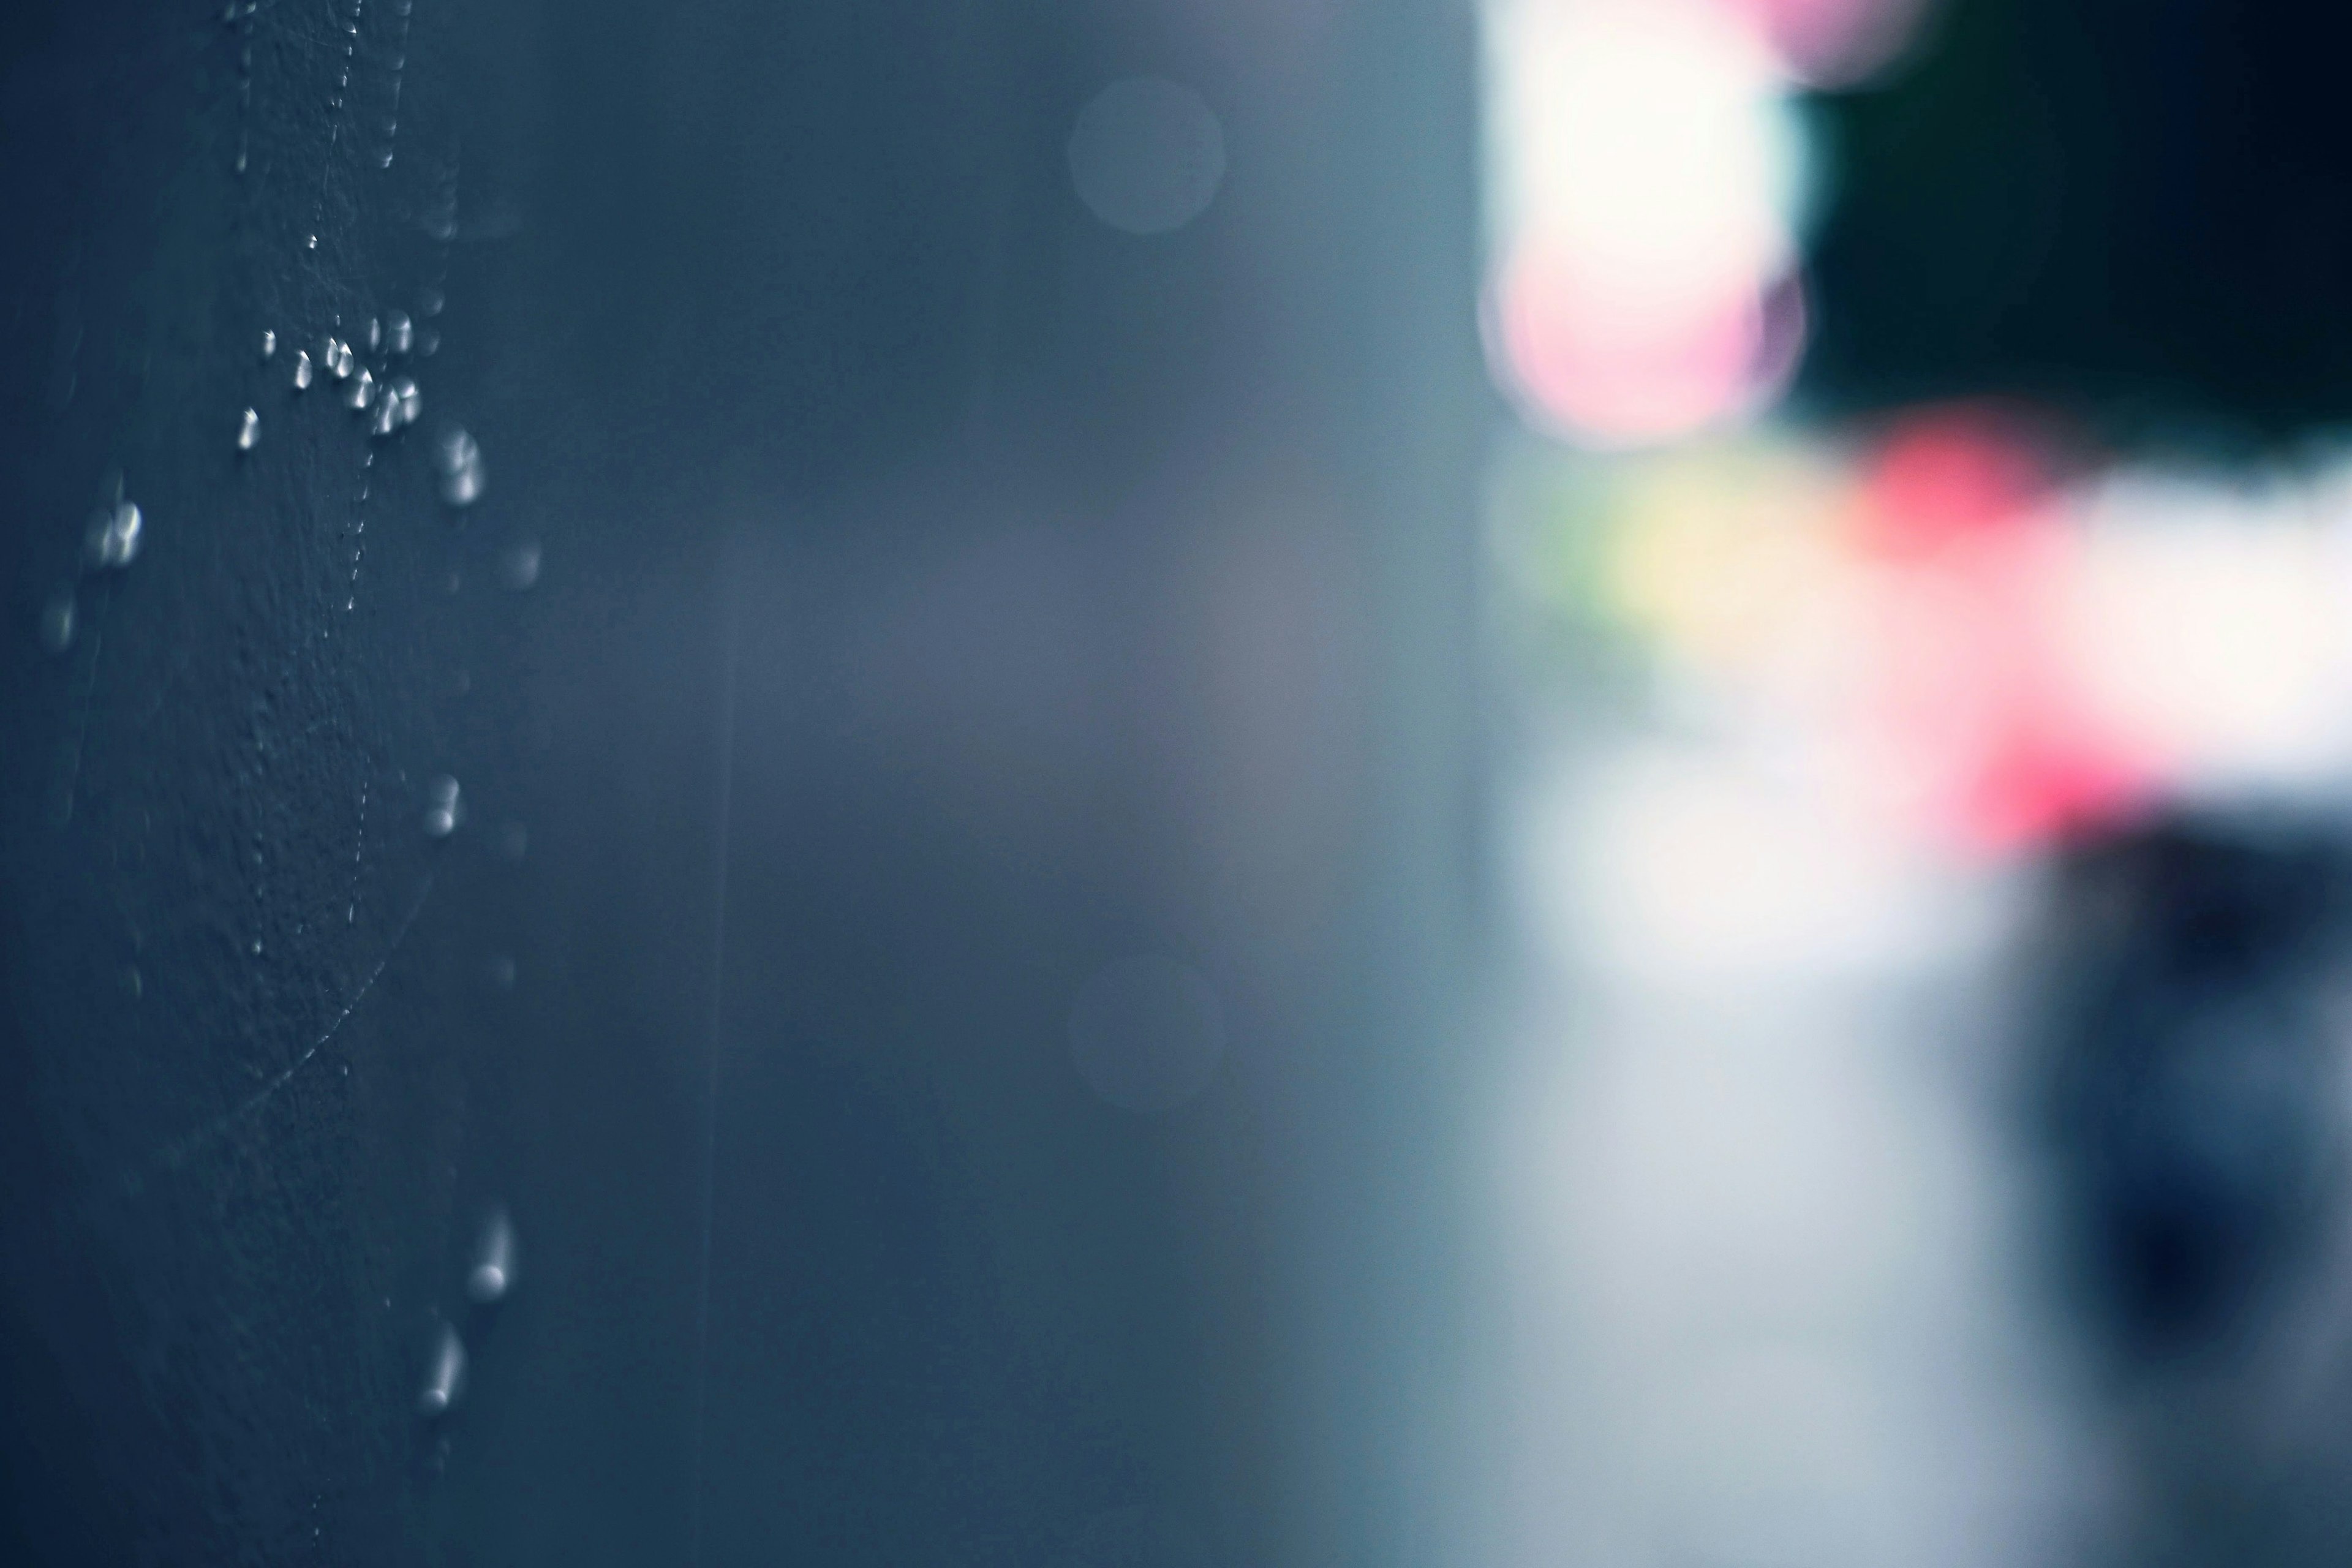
(834,601)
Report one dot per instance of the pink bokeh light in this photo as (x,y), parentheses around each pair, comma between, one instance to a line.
(1615,362)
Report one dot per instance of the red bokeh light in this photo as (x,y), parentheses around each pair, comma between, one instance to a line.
(1958,513)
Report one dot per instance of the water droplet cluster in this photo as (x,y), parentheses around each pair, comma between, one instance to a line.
(444,808)
(462,475)
(115,534)
(488,1279)
(398,404)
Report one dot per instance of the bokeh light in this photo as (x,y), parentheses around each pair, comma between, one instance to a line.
(1648,172)
(1147,155)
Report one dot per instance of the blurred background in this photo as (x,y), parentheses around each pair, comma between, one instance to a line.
(1205,782)
(1918,621)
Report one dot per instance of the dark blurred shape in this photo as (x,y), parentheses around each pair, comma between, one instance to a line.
(2136,208)
(2191,1051)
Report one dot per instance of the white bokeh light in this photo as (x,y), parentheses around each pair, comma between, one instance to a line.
(1649,172)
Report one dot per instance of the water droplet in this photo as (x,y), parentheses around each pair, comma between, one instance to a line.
(521,566)
(493,1272)
(360,392)
(248,431)
(445,808)
(429,302)
(240,154)
(314,243)
(406,401)
(445,1375)
(428,342)
(335,358)
(302,369)
(461,468)
(256,947)
(400,332)
(58,622)
(115,534)
(386,419)
(268,343)
(376,334)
